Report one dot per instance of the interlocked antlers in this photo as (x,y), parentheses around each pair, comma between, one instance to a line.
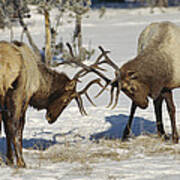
(94,68)
(114,83)
(85,69)
(84,91)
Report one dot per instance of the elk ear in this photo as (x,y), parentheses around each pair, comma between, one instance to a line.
(70,86)
(132,74)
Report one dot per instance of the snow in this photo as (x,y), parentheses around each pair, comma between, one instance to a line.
(89,147)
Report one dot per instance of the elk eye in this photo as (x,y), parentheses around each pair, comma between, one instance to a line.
(132,75)
(132,89)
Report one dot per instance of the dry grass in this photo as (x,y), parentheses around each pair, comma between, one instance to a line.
(116,150)
(88,152)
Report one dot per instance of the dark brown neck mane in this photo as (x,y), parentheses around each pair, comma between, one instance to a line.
(52,83)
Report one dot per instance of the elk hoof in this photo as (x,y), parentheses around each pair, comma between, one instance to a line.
(165,137)
(9,162)
(125,137)
(175,140)
(21,164)
(126,134)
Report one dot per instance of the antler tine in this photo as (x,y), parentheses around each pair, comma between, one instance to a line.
(98,62)
(80,105)
(89,69)
(86,72)
(102,90)
(89,99)
(112,97)
(79,100)
(114,84)
(117,96)
(93,69)
(85,67)
(95,81)
(108,60)
(78,74)
(84,91)
(100,56)
(70,49)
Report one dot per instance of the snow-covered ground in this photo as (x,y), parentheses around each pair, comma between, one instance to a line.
(76,147)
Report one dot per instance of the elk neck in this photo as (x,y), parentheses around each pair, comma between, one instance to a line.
(52,83)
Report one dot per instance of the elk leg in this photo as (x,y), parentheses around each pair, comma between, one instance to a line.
(158,112)
(128,126)
(17,141)
(18,151)
(171,110)
(0,123)
(14,122)
(8,132)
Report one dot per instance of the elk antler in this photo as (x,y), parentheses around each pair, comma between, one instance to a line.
(84,91)
(93,68)
(85,67)
(114,83)
(111,63)
(108,60)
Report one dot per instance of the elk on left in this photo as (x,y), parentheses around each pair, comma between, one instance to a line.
(26,80)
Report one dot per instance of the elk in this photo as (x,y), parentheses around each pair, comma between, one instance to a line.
(26,80)
(153,73)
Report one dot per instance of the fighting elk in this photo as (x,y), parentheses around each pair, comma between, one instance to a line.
(154,73)
(26,80)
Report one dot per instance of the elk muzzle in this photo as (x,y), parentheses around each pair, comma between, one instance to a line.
(143,104)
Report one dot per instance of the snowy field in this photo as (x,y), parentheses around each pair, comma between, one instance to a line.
(89,147)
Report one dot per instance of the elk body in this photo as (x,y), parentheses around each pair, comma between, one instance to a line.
(24,80)
(161,39)
(153,73)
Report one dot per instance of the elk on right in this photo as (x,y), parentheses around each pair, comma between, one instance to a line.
(153,73)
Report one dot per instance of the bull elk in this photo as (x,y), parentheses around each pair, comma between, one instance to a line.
(153,73)
(26,80)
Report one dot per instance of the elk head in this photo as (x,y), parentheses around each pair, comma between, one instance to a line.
(58,104)
(134,88)
(128,81)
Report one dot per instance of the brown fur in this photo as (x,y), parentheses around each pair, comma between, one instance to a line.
(25,80)
(151,68)
(154,72)
(154,64)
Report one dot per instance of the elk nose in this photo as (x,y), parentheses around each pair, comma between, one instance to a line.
(145,104)
(48,118)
